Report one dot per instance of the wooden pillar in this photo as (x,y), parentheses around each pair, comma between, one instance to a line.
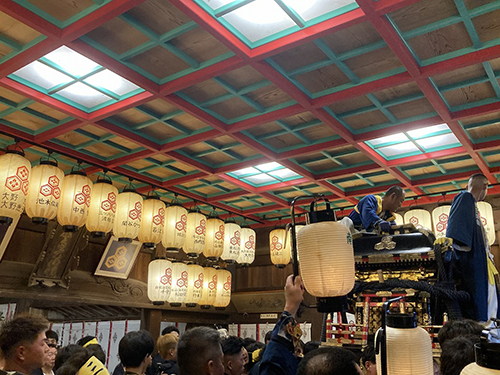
(151,322)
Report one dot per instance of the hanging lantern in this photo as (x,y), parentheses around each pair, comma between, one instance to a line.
(128,214)
(75,200)
(487,355)
(153,221)
(195,234)
(405,343)
(179,284)
(14,182)
(214,241)
(326,258)
(419,218)
(159,281)
(486,214)
(174,231)
(232,240)
(223,288)
(44,191)
(440,217)
(398,219)
(209,292)
(247,248)
(195,285)
(280,251)
(102,207)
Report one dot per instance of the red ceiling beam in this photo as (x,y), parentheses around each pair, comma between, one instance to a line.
(181,180)
(30,19)
(476,111)
(120,106)
(315,148)
(427,156)
(189,140)
(189,161)
(130,158)
(241,165)
(266,117)
(346,171)
(59,130)
(120,132)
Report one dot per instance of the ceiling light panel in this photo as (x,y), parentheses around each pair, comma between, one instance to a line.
(42,75)
(71,62)
(84,95)
(265,174)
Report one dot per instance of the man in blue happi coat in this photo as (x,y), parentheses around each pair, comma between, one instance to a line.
(376,212)
(472,251)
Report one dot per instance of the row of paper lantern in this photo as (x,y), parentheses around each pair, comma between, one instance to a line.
(191,284)
(280,245)
(76,201)
(438,220)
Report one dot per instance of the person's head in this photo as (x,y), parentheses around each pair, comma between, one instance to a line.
(52,337)
(135,349)
(235,355)
(65,353)
(329,361)
(50,358)
(460,327)
(368,360)
(393,198)
(478,186)
(23,343)
(170,329)
(199,352)
(267,338)
(167,346)
(458,353)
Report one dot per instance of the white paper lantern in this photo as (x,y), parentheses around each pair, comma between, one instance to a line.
(419,218)
(486,213)
(398,219)
(14,183)
(223,288)
(209,288)
(474,369)
(44,191)
(232,241)
(159,281)
(195,234)
(174,231)
(152,222)
(411,346)
(280,249)
(195,285)
(178,292)
(102,208)
(128,215)
(247,248)
(440,217)
(326,259)
(214,241)
(75,201)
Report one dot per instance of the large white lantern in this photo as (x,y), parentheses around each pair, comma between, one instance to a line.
(232,241)
(223,288)
(195,285)
(408,344)
(178,292)
(440,217)
(174,231)
(214,240)
(209,288)
(159,281)
(128,215)
(419,218)
(247,248)
(279,247)
(75,200)
(44,191)
(326,258)
(195,234)
(102,207)
(486,213)
(399,219)
(14,182)
(153,221)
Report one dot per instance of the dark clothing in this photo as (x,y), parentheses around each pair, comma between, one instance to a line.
(368,212)
(119,370)
(38,371)
(466,230)
(159,366)
(2,372)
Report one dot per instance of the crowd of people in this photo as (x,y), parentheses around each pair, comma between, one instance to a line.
(29,348)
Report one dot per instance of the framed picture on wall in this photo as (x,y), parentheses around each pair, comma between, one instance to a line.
(6,232)
(118,258)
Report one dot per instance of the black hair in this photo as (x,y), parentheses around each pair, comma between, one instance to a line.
(247,341)
(169,329)
(268,336)
(74,362)
(232,345)
(460,327)
(52,335)
(64,353)
(328,361)
(457,353)
(398,190)
(134,347)
(196,347)
(310,346)
(85,340)
(23,329)
(368,354)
